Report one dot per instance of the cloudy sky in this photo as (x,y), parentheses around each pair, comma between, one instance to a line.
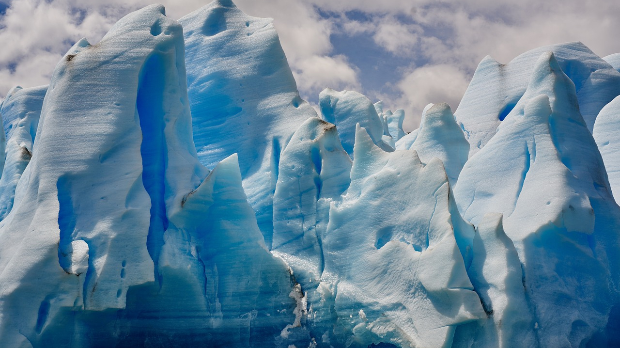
(405,52)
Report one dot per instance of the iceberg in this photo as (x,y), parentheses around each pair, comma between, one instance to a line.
(314,171)
(242,96)
(439,136)
(101,210)
(403,280)
(170,188)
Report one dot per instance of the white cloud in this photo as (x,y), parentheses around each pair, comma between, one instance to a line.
(35,36)
(430,84)
(395,37)
(315,73)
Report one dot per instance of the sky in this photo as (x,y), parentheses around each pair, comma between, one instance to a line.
(407,53)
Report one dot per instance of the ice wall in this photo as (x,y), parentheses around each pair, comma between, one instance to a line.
(143,206)
(557,211)
(104,226)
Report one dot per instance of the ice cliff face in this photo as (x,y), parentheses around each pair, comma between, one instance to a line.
(170,188)
(243,97)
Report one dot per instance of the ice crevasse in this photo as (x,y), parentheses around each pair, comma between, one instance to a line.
(170,188)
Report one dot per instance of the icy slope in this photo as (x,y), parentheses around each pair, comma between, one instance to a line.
(393,271)
(243,97)
(314,171)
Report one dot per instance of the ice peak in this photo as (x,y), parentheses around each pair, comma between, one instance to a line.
(224,3)
(547,66)
(613,60)
(345,109)
(439,136)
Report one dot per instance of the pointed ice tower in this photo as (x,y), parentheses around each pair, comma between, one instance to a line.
(113,153)
(117,230)
(439,136)
(314,172)
(346,109)
(543,172)
(395,123)
(613,60)
(496,88)
(392,123)
(243,97)
(393,268)
(20,112)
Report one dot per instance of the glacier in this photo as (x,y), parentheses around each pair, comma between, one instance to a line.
(170,188)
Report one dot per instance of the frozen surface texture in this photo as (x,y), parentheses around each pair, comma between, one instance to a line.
(347,109)
(20,112)
(143,205)
(558,211)
(393,270)
(243,97)
(613,60)
(439,136)
(606,130)
(496,88)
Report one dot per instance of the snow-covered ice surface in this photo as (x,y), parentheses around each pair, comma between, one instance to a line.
(143,205)
(543,172)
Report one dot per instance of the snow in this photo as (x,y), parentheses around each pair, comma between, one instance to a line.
(143,205)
